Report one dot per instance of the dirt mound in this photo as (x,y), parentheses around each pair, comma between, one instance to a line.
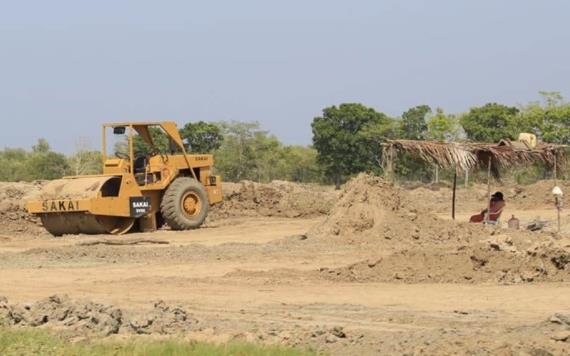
(61,312)
(503,259)
(415,246)
(548,337)
(367,204)
(278,198)
(371,208)
(13,215)
(536,194)
(496,260)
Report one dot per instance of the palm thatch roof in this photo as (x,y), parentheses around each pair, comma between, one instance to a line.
(445,155)
(463,156)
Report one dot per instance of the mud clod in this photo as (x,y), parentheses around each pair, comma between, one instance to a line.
(61,312)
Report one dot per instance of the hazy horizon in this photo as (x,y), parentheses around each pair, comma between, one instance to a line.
(66,67)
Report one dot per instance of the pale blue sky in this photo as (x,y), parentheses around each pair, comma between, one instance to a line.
(68,66)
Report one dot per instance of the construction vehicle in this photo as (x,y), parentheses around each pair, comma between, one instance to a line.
(136,190)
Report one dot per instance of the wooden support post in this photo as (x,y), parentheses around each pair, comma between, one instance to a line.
(488,191)
(453,196)
(558,202)
(389,174)
(436,174)
(555,170)
(558,217)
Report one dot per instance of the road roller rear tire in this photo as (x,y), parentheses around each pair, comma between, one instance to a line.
(185,204)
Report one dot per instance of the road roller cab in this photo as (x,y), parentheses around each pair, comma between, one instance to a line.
(144,184)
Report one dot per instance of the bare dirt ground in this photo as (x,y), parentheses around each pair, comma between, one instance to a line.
(372,270)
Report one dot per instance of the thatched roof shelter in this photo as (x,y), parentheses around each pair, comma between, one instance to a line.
(464,156)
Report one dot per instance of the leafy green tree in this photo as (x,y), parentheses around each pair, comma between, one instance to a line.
(84,162)
(160,140)
(248,152)
(414,126)
(233,158)
(13,165)
(47,165)
(552,98)
(341,138)
(42,146)
(377,134)
(443,127)
(203,137)
(556,125)
(549,120)
(490,122)
(42,163)
(266,154)
(301,164)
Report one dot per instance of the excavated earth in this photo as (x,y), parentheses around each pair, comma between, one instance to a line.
(372,269)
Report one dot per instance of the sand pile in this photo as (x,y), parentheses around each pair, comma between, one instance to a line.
(416,246)
(61,312)
(536,194)
(371,208)
(545,338)
(13,215)
(278,198)
(495,260)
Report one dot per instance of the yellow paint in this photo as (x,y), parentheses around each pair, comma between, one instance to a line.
(90,194)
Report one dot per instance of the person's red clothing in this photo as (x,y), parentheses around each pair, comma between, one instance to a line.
(497,207)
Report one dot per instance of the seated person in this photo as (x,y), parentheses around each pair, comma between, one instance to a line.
(497,206)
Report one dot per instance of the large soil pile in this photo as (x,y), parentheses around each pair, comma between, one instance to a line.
(370,208)
(413,245)
(13,215)
(501,259)
(278,198)
(536,194)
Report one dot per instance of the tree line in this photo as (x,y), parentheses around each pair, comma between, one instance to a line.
(242,151)
(347,139)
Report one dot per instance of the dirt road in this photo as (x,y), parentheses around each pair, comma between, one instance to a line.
(378,275)
(212,273)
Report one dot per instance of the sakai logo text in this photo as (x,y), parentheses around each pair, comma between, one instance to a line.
(139,206)
(60,205)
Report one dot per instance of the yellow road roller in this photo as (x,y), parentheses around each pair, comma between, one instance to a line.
(139,189)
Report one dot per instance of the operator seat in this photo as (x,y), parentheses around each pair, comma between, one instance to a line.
(140,164)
